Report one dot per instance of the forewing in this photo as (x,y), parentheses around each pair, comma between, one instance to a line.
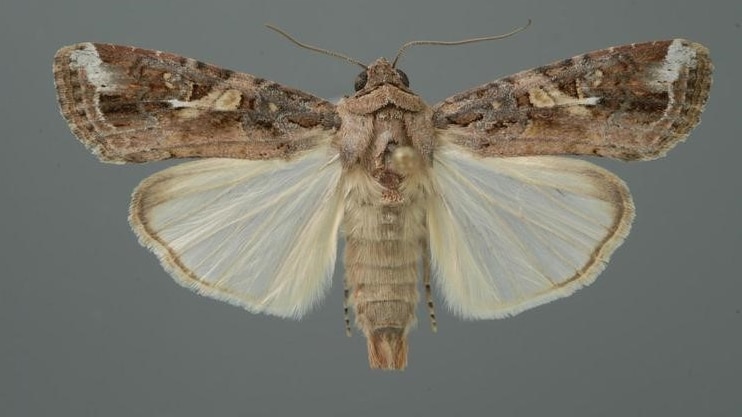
(628,102)
(508,234)
(258,234)
(135,105)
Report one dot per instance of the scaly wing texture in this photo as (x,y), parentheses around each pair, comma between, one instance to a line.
(136,105)
(631,102)
(258,234)
(508,234)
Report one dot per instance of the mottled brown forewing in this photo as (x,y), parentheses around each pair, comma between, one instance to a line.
(631,102)
(136,105)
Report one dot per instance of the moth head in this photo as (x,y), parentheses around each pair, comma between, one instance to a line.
(381,72)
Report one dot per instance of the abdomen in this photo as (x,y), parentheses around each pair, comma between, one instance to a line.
(382,252)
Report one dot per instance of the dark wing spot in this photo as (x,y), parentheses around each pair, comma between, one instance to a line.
(199,91)
(463,119)
(305,119)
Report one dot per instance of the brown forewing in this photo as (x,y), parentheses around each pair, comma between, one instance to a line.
(628,102)
(136,105)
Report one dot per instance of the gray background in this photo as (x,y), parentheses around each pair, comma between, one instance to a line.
(91,325)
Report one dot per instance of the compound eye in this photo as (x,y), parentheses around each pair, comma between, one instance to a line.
(403,76)
(361,81)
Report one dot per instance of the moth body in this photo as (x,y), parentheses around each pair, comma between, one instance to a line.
(475,191)
(386,187)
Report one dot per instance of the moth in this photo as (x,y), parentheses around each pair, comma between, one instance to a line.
(477,193)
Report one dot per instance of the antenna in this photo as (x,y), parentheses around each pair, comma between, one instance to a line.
(315,48)
(462,42)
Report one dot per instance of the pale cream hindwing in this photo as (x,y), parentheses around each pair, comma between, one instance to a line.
(258,234)
(509,234)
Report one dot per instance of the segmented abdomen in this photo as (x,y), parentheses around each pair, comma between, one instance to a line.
(383,248)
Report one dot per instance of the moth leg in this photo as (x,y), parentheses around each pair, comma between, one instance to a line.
(346,293)
(426,282)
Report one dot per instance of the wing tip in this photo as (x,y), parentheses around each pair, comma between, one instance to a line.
(74,106)
(689,65)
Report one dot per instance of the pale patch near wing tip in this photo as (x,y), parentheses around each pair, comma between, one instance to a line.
(85,56)
(680,56)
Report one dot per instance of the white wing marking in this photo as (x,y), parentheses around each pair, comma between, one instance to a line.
(258,234)
(508,234)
